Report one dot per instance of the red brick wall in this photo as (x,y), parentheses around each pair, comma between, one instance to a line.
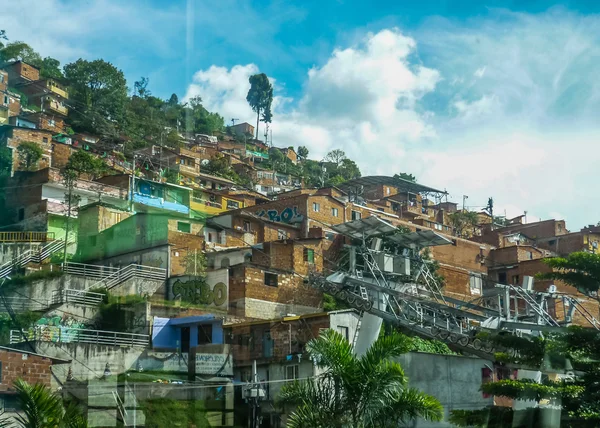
(30,368)
(21,135)
(3,80)
(14,106)
(20,72)
(61,154)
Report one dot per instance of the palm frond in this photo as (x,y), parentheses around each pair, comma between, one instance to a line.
(411,404)
(385,348)
(332,351)
(40,407)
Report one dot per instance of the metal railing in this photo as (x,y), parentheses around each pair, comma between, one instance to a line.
(26,236)
(81,297)
(88,270)
(130,271)
(36,255)
(59,334)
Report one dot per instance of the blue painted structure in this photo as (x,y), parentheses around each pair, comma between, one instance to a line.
(164,196)
(166,332)
(23,123)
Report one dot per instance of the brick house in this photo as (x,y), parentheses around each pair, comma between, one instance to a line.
(243,129)
(48,122)
(271,284)
(3,80)
(289,153)
(28,366)
(21,72)
(12,137)
(10,105)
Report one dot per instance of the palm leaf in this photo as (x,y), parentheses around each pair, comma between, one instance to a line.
(40,408)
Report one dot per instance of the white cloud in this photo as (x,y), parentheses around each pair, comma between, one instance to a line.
(363,100)
(479,72)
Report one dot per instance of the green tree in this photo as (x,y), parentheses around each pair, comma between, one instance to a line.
(406,176)
(82,162)
(29,154)
(99,92)
(579,269)
(367,391)
(42,408)
(50,68)
(141,87)
(20,51)
(303,152)
(463,222)
(577,351)
(260,97)
(336,156)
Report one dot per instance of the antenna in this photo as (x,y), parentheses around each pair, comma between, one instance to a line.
(233,121)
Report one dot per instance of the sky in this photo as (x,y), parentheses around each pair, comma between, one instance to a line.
(482,98)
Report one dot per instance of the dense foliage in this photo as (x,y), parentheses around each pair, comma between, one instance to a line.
(357,391)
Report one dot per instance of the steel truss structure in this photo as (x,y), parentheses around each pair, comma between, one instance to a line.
(413,298)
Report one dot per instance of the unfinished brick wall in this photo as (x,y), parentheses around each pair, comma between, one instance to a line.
(51,123)
(14,105)
(61,154)
(3,80)
(19,72)
(30,368)
(16,136)
(514,254)
(247,283)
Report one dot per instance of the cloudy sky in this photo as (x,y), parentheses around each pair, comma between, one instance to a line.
(494,98)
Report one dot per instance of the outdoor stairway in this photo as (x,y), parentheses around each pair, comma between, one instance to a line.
(59,297)
(37,255)
(109,277)
(59,334)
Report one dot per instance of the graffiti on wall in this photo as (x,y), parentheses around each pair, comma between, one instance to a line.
(288,215)
(209,290)
(197,291)
(56,328)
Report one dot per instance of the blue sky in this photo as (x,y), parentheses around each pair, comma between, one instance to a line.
(495,98)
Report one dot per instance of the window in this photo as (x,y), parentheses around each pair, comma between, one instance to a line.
(334,212)
(291,372)
(438,226)
(204,334)
(10,403)
(316,207)
(51,122)
(309,255)
(281,234)
(268,344)
(247,226)
(502,277)
(184,227)
(475,283)
(343,330)
(529,255)
(182,161)
(5,99)
(330,236)
(45,140)
(515,279)
(552,242)
(356,215)
(232,205)
(271,279)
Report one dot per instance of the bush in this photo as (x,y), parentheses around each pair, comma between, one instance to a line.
(18,281)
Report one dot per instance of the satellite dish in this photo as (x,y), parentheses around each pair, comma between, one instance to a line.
(204,162)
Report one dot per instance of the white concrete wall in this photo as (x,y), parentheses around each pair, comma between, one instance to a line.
(9,251)
(453,380)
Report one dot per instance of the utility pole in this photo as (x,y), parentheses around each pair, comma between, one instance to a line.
(465,197)
(254,394)
(233,121)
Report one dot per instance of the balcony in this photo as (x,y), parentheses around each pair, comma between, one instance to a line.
(50,104)
(204,206)
(188,170)
(160,203)
(57,88)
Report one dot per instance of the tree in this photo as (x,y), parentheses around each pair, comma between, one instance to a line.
(42,408)
(81,162)
(174,100)
(141,87)
(99,92)
(50,68)
(577,351)
(406,176)
(366,391)
(336,156)
(260,97)
(303,152)
(579,269)
(463,222)
(29,154)
(20,51)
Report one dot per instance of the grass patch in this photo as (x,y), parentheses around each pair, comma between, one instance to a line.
(165,412)
(18,281)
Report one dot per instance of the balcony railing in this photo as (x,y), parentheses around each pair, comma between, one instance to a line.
(26,236)
(188,169)
(57,89)
(59,334)
(54,106)
(207,203)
